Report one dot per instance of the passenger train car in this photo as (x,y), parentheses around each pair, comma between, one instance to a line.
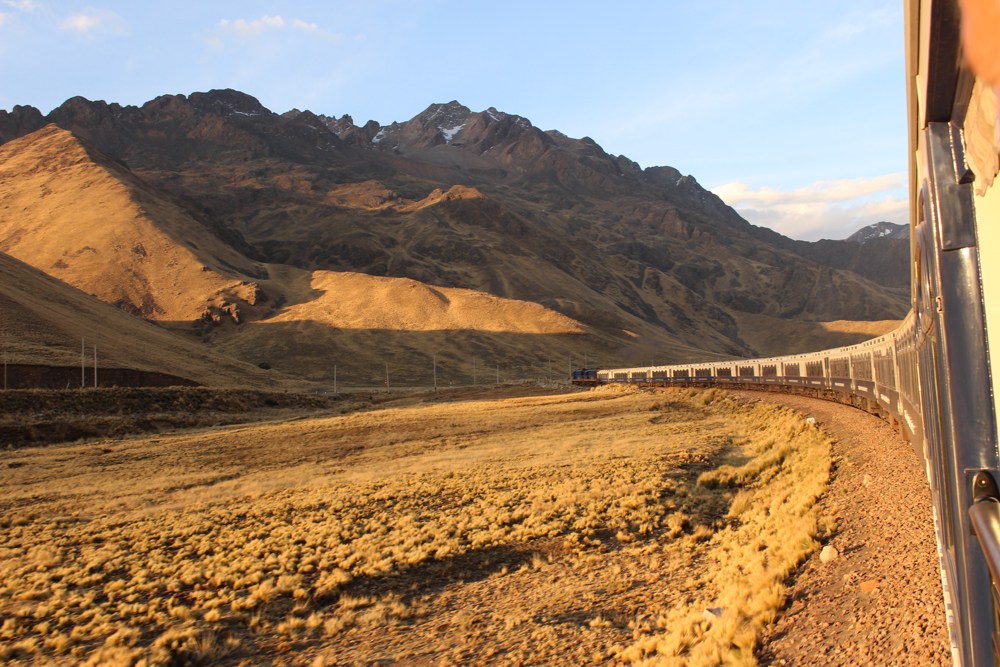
(931,377)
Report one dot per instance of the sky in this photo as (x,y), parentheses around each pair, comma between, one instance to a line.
(793,112)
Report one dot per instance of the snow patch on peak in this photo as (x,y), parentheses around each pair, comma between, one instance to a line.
(879,230)
(449,132)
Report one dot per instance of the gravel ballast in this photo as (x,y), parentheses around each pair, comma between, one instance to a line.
(874,597)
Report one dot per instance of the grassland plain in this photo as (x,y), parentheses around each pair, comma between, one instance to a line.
(604,526)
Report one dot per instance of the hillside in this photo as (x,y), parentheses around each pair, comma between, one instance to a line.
(44,321)
(87,220)
(217,216)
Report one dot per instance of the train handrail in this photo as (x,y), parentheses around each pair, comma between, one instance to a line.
(985,515)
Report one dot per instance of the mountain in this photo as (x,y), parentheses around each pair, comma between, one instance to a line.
(880,253)
(277,212)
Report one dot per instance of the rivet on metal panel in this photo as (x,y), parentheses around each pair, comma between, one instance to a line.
(984,486)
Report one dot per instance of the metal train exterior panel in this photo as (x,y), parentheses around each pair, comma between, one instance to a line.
(931,376)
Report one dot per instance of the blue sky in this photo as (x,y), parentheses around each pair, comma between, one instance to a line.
(792,112)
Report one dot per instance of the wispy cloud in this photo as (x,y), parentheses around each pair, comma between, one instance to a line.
(248,29)
(821,191)
(825,209)
(23,5)
(91,21)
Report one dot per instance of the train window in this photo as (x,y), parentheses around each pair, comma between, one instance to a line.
(769,371)
(861,365)
(724,372)
(703,372)
(885,373)
(681,374)
(792,370)
(746,371)
(840,367)
(814,369)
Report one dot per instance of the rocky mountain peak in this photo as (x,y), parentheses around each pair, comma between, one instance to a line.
(228,102)
(339,125)
(447,119)
(19,121)
(880,230)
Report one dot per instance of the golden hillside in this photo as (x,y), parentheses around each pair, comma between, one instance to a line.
(347,300)
(85,219)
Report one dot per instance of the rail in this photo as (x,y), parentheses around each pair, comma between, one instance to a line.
(985,516)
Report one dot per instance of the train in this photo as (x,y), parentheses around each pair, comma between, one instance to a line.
(932,376)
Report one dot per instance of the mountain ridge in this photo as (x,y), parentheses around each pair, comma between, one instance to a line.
(645,260)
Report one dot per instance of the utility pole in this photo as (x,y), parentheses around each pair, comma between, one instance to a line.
(435,362)
(387,377)
(498,373)
(95,367)
(83,362)
(335,378)
(473,371)
(5,369)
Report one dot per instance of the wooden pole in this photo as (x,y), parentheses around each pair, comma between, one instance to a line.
(387,377)
(435,361)
(473,371)
(335,378)
(95,367)
(83,362)
(498,373)
(5,369)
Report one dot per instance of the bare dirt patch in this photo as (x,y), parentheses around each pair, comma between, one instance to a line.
(601,526)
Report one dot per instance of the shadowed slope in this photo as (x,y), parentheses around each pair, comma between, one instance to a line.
(42,321)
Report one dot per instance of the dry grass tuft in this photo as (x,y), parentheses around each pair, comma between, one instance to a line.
(773,529)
